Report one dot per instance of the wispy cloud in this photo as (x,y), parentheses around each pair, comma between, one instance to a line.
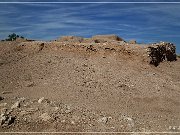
(145,22)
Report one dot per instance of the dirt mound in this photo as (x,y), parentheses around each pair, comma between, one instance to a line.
(88,87)
(106,38)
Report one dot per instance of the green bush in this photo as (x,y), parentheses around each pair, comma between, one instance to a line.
(13,37)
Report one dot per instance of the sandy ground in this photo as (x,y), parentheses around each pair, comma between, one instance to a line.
(105,90)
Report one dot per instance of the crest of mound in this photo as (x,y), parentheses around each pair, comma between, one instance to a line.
(70,39)
(106,38)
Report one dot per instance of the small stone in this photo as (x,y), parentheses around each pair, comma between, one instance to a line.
(3,111)
(63,121)
(6,92)
(10,120)
(45,117)
(3,118)
(55,108)
(103,120)
(1,98)
(41,100)
(3,104)
(29,84)
(22,99)
(72,122)
(67,111)
(16,105)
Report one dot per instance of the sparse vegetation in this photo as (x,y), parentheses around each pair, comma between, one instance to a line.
(13,37)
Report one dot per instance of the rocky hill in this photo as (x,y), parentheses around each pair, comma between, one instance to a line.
(98,84)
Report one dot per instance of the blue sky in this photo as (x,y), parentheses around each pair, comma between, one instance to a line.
(144,22)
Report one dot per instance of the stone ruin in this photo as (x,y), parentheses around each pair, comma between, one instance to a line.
(106,38)
(70,39)
(162,51)
(157,52)
(95,39)
(154,53)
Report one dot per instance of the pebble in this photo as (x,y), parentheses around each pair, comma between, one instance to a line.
(29,84)
(63,121)
(16,105)
(3,104)
(1,98)
(10,120)
(3,119)
(72,122)
(103,120)
(6,92)
(41,100)
(68,109)
(6,120)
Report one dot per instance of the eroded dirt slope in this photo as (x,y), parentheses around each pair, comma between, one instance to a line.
(99,87)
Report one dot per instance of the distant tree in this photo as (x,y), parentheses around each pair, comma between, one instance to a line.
(13,37)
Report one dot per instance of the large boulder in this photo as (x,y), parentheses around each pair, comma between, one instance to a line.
(106,38)
(75,39)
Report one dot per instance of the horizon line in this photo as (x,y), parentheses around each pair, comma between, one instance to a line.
(102,2)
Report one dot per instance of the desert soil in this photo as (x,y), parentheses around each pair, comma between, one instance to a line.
(61,87)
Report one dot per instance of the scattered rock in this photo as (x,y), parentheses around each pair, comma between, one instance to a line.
(3,104)
(68,110)
(103,120)
(41,100)
(6,120)
(3,119)
(29,84)
(41,46)
(4,111)
(1,62)
(45,117)
(10,120)
(129,121)
(22,99)
(72,122)
(1,98)
(16,105)
(6,92)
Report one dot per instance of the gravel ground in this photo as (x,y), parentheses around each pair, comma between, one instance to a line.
(102,87)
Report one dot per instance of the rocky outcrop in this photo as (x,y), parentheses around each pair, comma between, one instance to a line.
(162,51)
